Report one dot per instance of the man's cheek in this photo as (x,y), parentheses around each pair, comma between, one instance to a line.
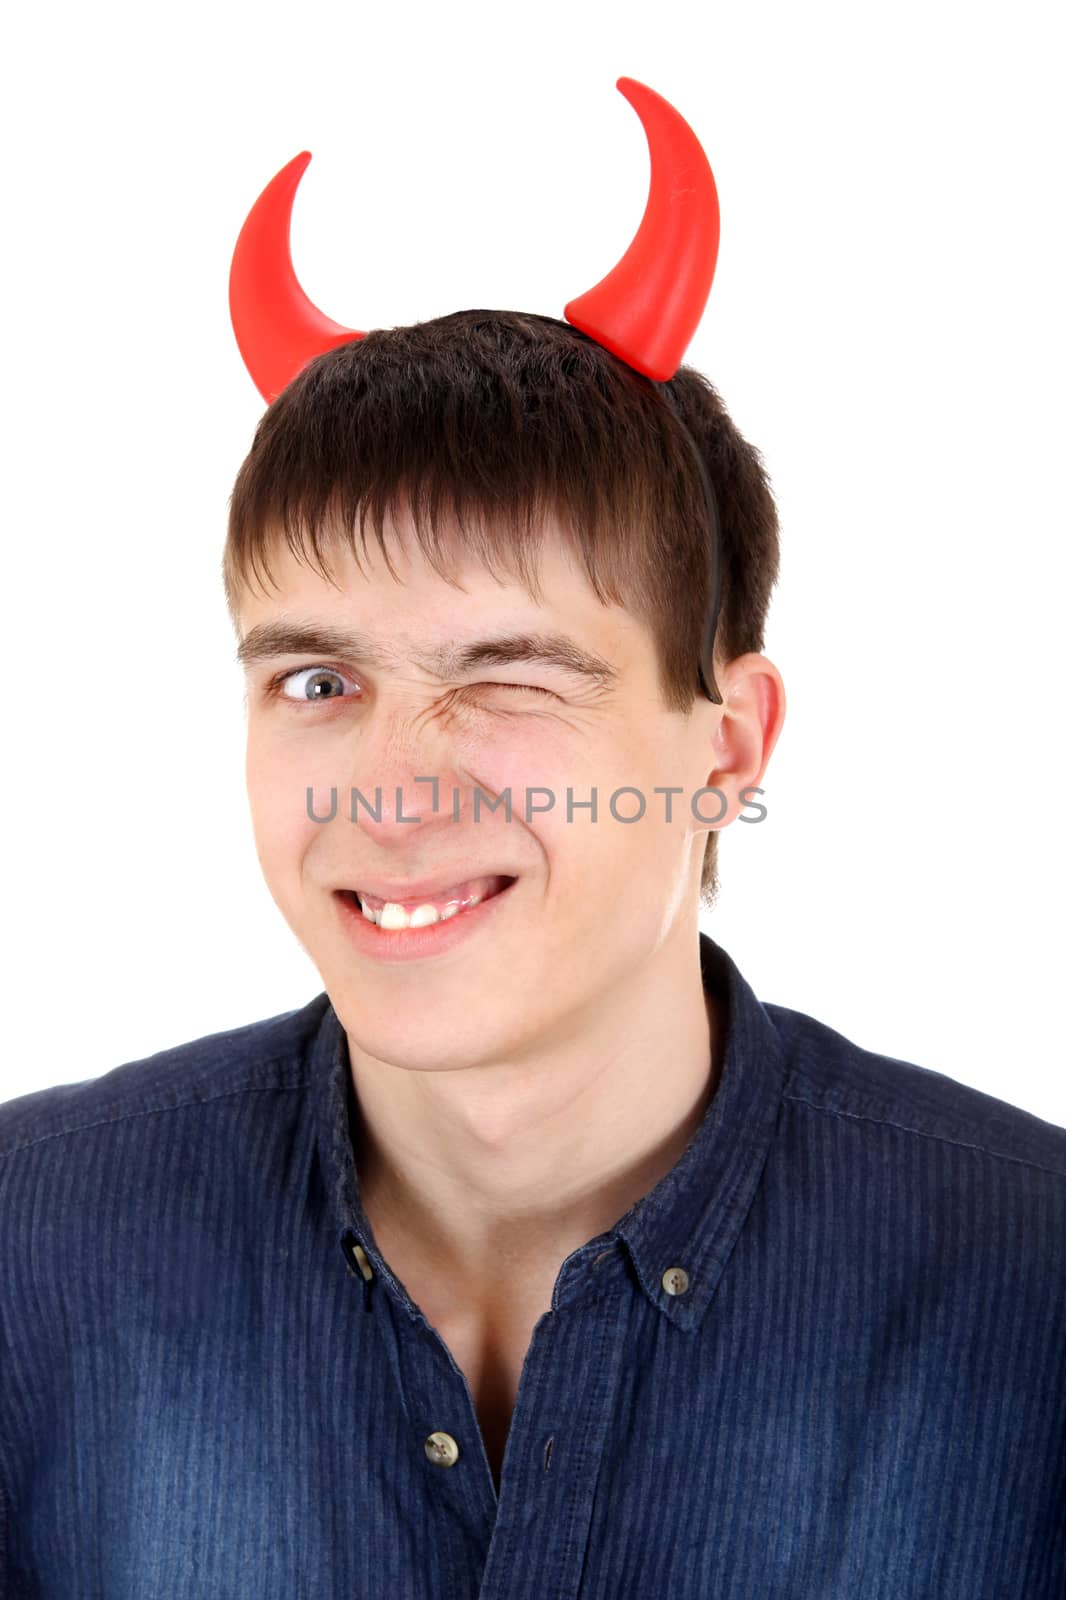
(283,813)
(281,772)
(537,771)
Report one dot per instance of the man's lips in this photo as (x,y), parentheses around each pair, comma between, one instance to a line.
(398,933)
(438,892)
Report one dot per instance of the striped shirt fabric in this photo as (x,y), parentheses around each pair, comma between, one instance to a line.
(824,1357)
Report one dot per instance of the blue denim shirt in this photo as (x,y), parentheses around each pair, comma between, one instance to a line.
(825,1356)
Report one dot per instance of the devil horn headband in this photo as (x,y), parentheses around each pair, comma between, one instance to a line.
(644,311)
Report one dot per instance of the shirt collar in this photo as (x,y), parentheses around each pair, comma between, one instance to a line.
(690,1219)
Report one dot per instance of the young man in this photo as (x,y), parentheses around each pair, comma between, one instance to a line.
(534,1256)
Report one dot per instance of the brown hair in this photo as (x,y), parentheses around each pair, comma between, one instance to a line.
(491,420)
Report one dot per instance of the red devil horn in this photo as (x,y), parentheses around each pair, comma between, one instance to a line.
(278,329)
(648,307)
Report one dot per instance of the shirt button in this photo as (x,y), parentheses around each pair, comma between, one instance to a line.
(675,1280)
(442,1449)
(355,1256)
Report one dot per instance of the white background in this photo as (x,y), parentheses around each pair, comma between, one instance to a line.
(884,324)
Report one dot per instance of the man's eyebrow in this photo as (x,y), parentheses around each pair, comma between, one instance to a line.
(269,640)
(535,649)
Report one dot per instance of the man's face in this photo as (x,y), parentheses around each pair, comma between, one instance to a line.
(593,901)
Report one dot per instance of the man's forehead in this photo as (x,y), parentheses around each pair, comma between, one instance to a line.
(442,558)
(561,624)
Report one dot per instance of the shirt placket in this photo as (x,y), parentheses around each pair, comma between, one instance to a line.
(530,1540)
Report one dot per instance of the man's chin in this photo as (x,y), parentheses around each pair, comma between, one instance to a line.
(423,1044)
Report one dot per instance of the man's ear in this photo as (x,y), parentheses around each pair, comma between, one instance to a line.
(753,713)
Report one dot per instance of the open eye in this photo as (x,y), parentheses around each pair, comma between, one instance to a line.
(319,683)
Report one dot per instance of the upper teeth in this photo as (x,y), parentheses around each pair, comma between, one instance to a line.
(393,916)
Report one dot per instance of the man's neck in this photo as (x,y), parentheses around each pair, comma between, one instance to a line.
(506,1168)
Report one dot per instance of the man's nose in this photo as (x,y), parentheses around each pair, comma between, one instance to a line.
(403,773)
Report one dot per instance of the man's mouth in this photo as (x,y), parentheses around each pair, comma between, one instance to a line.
(398,914)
